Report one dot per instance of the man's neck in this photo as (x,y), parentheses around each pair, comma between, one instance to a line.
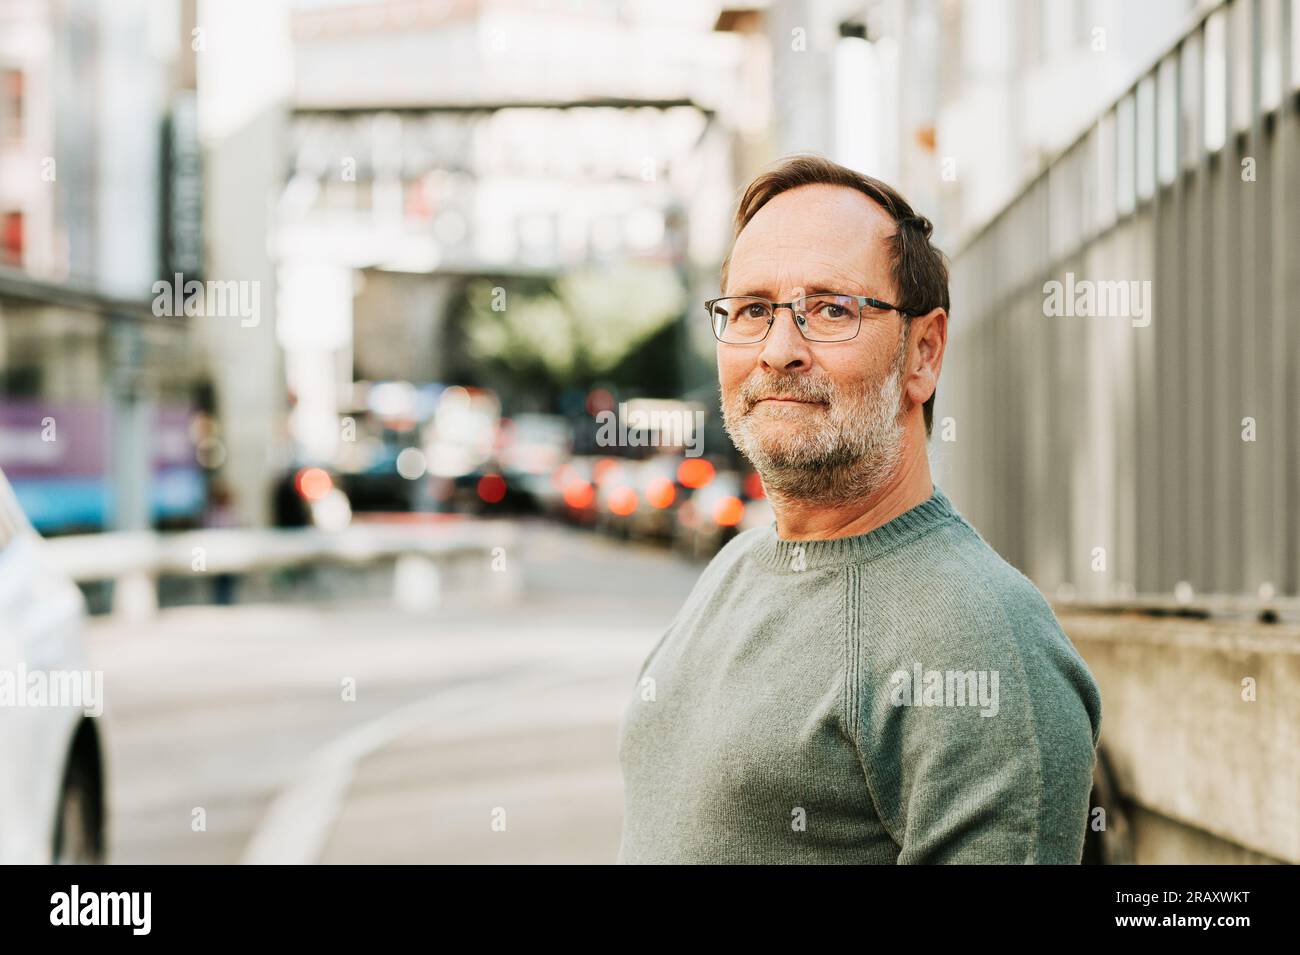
(909,486)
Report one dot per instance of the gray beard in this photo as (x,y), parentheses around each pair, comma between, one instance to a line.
(851,453)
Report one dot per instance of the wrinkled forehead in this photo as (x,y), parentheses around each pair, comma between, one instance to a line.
(828,238)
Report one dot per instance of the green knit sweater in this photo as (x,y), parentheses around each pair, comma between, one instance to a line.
(900,696)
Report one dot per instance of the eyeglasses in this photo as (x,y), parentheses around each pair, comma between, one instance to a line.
(822,317)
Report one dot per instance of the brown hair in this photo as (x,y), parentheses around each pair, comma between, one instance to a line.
(920,271)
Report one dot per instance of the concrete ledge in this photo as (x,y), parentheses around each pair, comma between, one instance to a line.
(1185,743)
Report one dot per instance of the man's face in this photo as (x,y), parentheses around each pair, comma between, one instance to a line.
(821,421)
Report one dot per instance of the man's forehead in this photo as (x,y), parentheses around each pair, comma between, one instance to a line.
(813,236)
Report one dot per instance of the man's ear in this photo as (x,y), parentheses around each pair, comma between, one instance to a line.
(929,337)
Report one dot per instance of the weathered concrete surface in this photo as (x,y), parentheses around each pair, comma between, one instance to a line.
(1213,774)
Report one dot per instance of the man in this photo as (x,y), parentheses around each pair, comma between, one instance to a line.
(865,680)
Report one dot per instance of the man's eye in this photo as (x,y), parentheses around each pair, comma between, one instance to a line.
(755,310)
(829,310)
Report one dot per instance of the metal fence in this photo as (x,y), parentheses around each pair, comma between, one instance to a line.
(1133,431)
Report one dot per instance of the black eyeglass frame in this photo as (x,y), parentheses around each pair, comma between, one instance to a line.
(862,300)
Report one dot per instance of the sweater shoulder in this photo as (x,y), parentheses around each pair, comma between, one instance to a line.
(962,606)
(954,571)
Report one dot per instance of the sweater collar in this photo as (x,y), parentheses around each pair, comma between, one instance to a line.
(795,556)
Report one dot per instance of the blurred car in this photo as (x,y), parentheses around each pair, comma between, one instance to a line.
(532,448)
(463,433)
(52,791)
(485,492)
(575,482)
(616,481)
(659,494)
(380,486)
(665,483)
(719,510)
(381,459)
(309,496)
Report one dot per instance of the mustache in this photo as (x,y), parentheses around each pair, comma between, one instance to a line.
(771,386)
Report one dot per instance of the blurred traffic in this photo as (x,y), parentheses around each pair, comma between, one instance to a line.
(447,450)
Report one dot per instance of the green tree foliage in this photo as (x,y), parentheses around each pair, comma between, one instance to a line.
(572,331)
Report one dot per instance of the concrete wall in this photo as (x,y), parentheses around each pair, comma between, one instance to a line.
(1210,775)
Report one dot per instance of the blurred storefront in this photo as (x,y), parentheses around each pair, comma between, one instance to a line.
(99,397)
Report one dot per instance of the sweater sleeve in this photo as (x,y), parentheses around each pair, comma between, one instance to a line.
(978,739)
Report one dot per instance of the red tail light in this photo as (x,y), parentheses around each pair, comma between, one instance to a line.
(622,501)
(579,494)
(728,512)
(660,493)
(313,483)
(491,488)
(695,472)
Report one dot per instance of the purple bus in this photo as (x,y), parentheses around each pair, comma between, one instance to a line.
(57,456)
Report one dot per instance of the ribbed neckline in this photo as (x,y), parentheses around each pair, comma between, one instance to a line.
(798,556)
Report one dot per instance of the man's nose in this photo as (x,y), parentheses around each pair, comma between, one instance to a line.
(785,348)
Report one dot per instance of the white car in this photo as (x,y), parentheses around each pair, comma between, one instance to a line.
(52,805)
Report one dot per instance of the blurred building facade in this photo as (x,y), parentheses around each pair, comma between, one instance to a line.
(95,391)
(514,160)
(958,103)
(1148,425)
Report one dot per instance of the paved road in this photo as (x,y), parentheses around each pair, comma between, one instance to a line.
(482,731)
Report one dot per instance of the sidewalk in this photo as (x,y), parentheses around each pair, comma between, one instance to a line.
(542,764)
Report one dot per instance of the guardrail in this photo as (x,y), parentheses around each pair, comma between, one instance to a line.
(135,560)
(1219,607)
